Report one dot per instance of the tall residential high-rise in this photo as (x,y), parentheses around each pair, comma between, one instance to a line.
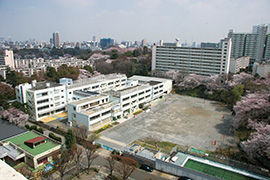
(250,44)
(238,43)
(190,60)
(262,31)
(7,59)
(143,43)
(51,40)
(56,39)
(266,54)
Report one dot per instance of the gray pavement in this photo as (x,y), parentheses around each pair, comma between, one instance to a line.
(179,119)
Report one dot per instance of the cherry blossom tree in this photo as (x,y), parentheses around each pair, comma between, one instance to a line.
(15,116)
(242,78)
(253,108)
(171,74)
(192,81)
(258,144)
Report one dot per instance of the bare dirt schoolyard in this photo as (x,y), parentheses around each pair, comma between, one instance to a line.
(179,119)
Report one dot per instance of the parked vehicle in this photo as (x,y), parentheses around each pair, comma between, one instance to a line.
(146,168)
(184,178)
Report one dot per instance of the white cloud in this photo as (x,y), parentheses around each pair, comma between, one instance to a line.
(76,3)
(149,3)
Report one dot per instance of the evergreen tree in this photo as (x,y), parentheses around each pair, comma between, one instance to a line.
(70,138)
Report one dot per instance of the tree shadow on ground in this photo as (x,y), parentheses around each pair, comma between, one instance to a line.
(225,127)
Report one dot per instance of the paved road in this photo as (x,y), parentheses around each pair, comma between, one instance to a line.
(138,174)
(100,163)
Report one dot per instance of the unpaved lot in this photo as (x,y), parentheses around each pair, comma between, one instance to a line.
(179,119)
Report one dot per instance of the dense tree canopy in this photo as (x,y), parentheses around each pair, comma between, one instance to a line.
(89,68)
(114,54)
(70,138)
(62,71)
(15,78)
(6,92)
(130,67)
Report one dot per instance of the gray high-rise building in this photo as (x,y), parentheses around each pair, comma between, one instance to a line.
(266,54)
(250,44)
(143,43)
(56,39)
(238,44)
(106,42)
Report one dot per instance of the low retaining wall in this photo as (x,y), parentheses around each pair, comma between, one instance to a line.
(181,171)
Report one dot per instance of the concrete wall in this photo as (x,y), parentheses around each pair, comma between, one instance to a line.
(141,160)
(181,171)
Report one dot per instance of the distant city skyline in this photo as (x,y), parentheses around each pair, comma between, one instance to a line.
(123,20)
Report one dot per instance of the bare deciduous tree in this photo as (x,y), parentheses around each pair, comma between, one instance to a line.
(77,156)
(126,167)
(80,132)
(93,137)
(61,163)
(110,163)
(90,150)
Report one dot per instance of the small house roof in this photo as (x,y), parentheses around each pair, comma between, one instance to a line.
(35,140)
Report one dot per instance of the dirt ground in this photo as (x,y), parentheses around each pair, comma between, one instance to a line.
(179,119)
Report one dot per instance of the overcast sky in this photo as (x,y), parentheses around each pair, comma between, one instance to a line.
(130,20)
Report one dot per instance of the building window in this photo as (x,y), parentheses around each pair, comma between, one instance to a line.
(43,107)
(42,94)
(42,101)
(43,160)
(125,98)
(133,96)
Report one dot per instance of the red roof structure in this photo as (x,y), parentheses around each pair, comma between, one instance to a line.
(35,141)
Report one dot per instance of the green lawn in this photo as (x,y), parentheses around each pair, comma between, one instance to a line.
(214,171)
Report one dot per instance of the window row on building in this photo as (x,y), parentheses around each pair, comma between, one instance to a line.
(204,61)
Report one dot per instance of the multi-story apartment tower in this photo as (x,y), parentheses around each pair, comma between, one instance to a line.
(238,44)
(7,59)
(266,54)
(56,39)
(143,43)
(191,60)
(250,44)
